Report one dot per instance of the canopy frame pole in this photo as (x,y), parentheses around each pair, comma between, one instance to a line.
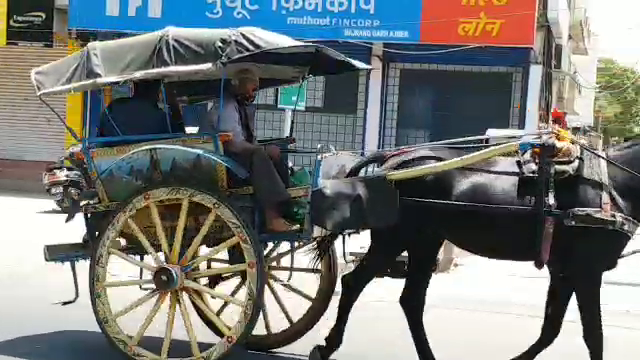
(64,123)
(295,105)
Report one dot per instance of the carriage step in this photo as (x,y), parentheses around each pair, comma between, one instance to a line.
(66,252)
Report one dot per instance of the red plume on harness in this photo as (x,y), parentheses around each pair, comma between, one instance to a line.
(559,118)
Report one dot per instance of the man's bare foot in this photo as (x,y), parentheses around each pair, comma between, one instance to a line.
(281,225)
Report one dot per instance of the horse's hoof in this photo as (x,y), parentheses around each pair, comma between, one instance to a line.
(316,353)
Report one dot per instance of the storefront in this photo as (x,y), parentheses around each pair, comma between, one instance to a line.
(469,73)
(28,129)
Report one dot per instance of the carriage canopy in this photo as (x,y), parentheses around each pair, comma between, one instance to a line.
(186,54)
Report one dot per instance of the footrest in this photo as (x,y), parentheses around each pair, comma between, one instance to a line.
(295,192)
(66,252)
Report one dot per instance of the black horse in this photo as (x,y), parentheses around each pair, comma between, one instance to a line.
(578,257)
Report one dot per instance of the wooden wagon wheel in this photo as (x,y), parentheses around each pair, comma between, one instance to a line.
(173,273)
(290,309)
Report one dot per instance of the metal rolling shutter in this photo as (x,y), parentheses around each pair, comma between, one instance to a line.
(28,129)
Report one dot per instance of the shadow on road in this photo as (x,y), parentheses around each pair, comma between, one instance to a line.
(82,345)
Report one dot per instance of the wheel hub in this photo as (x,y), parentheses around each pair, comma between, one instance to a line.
(167,278)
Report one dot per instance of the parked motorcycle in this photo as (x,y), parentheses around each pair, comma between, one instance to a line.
(64,183)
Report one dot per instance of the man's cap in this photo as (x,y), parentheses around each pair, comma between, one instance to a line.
(245,75)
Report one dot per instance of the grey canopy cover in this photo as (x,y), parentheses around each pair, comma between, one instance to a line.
(186,54)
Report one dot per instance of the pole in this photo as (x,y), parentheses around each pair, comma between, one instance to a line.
(288,118)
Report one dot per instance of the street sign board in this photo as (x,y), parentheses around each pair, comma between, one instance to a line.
(293,97)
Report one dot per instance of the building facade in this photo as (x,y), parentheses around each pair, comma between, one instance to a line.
(439,72)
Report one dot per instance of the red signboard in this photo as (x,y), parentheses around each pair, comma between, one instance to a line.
(479,22)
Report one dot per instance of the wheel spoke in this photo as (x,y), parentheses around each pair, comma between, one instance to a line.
(136,304)
(188,325)
(218,271)
(295,269)
(198,239)
(147,321)
(208,313)
(232,294)
(265,316)
(166,343)
(131,260)
(143,240)
(159,229)
(291,288)
(195,286)
(177,240)
(215,251)
(273,249)
(128,283)
(282,255)
(280,302)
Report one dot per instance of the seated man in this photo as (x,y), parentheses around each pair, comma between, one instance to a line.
(265,169)
(140,114)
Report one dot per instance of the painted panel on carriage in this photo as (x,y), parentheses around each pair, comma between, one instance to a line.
(122,176)
(364,20)
(479,22)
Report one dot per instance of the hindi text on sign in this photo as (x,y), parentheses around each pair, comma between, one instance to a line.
(474,27)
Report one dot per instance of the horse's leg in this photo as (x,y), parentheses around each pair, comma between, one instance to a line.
(384,249)
(588,298)
(423,254)
(558,297)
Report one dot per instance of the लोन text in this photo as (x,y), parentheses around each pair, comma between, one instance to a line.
(474,27)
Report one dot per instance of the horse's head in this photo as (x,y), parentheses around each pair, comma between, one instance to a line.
(336,164)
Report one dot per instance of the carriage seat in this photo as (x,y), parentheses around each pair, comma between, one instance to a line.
(240,186)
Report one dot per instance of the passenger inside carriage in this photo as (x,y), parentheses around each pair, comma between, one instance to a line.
(140,113)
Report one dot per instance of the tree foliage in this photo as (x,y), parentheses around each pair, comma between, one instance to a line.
(617,103)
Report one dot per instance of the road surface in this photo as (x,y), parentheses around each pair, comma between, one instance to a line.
(482,310)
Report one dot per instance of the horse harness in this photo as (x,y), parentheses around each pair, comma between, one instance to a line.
(552,159)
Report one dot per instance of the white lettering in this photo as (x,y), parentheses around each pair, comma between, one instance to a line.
(365,5)
(154,8)
(113,8)
(313,5)
(215,10)
(291,5)
(336,6)
(133,7)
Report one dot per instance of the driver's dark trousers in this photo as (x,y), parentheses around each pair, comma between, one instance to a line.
(269,178)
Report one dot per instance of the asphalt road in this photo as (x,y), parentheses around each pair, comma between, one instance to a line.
(484,310)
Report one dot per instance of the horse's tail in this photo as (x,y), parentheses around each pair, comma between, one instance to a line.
(322,247)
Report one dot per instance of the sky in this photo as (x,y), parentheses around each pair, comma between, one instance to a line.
(616,24)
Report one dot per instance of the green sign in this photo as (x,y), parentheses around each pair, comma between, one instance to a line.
(293,97)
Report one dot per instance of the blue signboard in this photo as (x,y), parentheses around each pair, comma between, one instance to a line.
(361,20)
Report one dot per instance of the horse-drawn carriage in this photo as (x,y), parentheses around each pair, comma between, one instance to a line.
(180,215)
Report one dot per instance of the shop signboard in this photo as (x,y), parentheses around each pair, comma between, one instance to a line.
(30,23)
(479,22)
(360,20)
